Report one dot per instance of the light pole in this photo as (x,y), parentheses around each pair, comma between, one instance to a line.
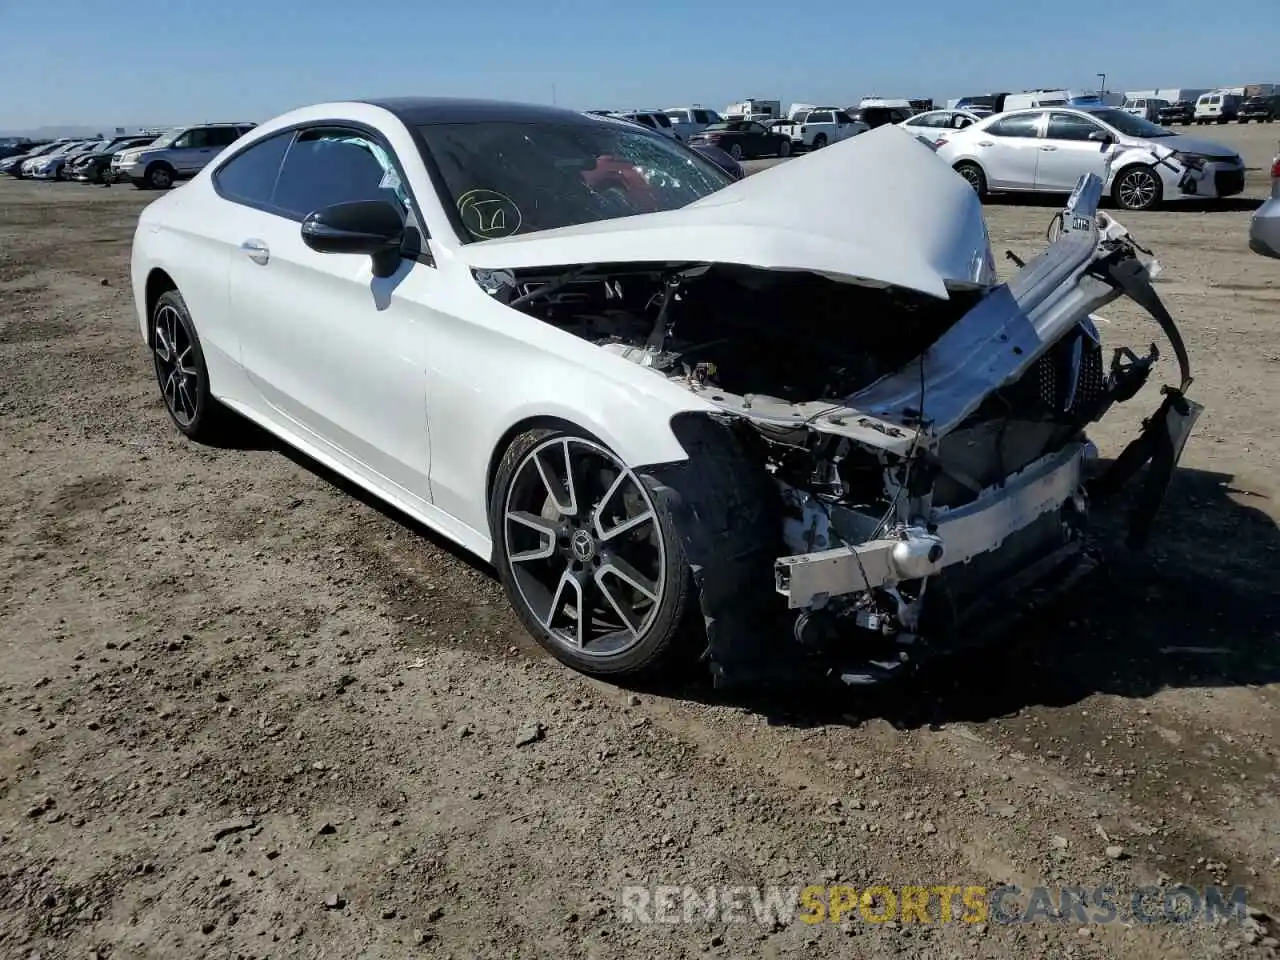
(1103,88)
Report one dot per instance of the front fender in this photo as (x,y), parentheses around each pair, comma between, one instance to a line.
(486,384)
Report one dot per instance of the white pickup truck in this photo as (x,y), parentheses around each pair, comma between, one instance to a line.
(816,128)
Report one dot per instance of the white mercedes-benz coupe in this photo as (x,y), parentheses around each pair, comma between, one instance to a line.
(792,419)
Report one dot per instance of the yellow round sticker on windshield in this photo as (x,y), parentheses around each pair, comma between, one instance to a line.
(488,214)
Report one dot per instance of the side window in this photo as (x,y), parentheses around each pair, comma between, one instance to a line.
(843,117)
(820,116)
(928,120)
(1020,125)
(1070,126)
(250,176)
(186,141)
(755,128)
(199,138)
(326,166)
(223,136)
(700,116)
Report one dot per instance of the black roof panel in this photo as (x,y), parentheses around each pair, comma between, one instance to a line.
(418,111)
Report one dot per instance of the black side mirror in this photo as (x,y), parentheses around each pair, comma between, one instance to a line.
(1102,137)
(373,227)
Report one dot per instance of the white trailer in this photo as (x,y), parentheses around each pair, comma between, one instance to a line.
(754,108)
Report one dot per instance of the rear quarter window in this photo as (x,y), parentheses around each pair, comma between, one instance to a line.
(250,176)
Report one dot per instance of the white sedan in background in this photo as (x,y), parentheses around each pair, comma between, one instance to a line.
(930,126)
(573,346)
(1048,150)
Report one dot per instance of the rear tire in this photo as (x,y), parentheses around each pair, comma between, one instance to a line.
(735,151)
(975,177)
(593,543)
(784,148)
(181,372)
(819,141)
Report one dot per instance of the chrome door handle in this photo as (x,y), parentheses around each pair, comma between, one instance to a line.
(1048,148)
(257,251)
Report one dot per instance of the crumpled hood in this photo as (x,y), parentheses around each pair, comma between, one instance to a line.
(878,208)
(1185,144)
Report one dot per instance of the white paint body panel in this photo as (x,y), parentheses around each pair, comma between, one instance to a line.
(409,386)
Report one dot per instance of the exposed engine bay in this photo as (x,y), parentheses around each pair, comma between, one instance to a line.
(894,528)
(718,324)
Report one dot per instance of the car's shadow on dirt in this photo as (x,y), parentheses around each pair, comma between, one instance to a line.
(1199,608)
(248,436)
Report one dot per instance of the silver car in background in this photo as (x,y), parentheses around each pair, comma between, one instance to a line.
(1048,149)
(1264,228)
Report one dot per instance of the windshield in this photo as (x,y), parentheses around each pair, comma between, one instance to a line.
(1130,125)
(168,137)
(727,125)
(507,178)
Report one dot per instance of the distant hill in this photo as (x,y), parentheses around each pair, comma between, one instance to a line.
(54,132)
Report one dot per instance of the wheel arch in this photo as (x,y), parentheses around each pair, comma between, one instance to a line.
(669,449)
(158,283)
(535,422)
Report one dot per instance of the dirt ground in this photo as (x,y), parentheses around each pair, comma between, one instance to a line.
(244,712)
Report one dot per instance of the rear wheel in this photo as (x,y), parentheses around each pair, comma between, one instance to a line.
(735,151)
(974,175)
(784,148)
(180,369)
(1137,188)
(819,141)
(589,554)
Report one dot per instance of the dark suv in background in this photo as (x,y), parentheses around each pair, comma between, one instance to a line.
(879,116)
(1262,109)
(1183,112)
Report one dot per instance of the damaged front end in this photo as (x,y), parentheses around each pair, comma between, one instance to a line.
(889,473)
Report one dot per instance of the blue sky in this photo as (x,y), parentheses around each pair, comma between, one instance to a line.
(162,61)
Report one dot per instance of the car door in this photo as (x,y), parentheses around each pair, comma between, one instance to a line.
(755,139)
(190,152)
(823,120)
(844,125)
(1067,153)
(1009,149)
(336,355)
